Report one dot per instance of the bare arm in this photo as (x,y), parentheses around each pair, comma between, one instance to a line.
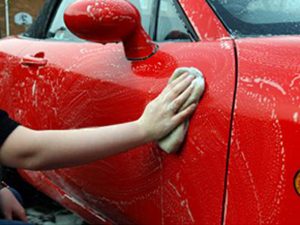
(29,149)
(63,148)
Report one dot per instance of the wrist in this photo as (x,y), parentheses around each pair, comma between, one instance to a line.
(146,135)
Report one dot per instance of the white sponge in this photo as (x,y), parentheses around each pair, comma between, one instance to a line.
(173,141)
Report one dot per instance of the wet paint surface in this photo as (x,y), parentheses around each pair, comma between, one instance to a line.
(95,85)
(205,22)
(265,153)
(86,84)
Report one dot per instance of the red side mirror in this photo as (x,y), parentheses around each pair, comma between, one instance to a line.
(110,21)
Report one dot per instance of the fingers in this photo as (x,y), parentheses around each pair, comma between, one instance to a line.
(182,98)
(179,79)
(184,114)
(173,83)
(179,88)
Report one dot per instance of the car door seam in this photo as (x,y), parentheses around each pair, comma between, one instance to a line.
(225,194)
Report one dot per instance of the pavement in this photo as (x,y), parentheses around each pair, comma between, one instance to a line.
(44,216)
(40,209)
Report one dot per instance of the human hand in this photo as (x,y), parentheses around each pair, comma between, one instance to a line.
(161,115)
(10,206)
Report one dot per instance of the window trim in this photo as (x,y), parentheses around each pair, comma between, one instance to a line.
(186,20)
(40,27)
(182,15)
(155,22)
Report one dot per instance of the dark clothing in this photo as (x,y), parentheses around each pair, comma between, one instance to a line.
(7,126)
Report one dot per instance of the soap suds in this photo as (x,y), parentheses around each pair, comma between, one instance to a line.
(296,117)
(34,88)
(184,202)
(263,81)
(294,80)
(225,205)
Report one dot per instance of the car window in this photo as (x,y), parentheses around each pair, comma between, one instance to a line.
(59,31)
(170,23)
(259,17)
(145,8)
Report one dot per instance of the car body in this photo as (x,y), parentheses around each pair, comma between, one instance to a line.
(241,157)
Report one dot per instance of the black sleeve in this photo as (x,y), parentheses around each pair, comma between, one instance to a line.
(7,126)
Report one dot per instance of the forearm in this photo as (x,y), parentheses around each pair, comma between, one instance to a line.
(76,147)
(29,149)
(57,149)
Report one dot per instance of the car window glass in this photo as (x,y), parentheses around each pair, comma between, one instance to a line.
(265,11)
(145,9)
(59,31)
(259,17)
(170,23)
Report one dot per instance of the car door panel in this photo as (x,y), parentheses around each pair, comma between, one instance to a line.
(10,56)
(87,84)
(264,155)
(204,21)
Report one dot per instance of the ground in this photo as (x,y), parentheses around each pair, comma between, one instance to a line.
(40,209)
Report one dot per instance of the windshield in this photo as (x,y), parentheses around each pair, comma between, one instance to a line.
(259,17)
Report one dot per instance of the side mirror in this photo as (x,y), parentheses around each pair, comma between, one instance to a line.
(111,21)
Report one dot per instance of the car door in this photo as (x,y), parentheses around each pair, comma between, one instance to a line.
(263,169)
(70,83)
(10,56)
(264,163)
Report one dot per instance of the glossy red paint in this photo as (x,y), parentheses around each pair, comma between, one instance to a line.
(265,152)
(108,22)
(205,22)
(89,84)
(92,85)
(144,186)
(95,85)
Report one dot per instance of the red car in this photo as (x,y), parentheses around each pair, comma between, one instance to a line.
(241,158)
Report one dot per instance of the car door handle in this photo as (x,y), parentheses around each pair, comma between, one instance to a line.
(34,60)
